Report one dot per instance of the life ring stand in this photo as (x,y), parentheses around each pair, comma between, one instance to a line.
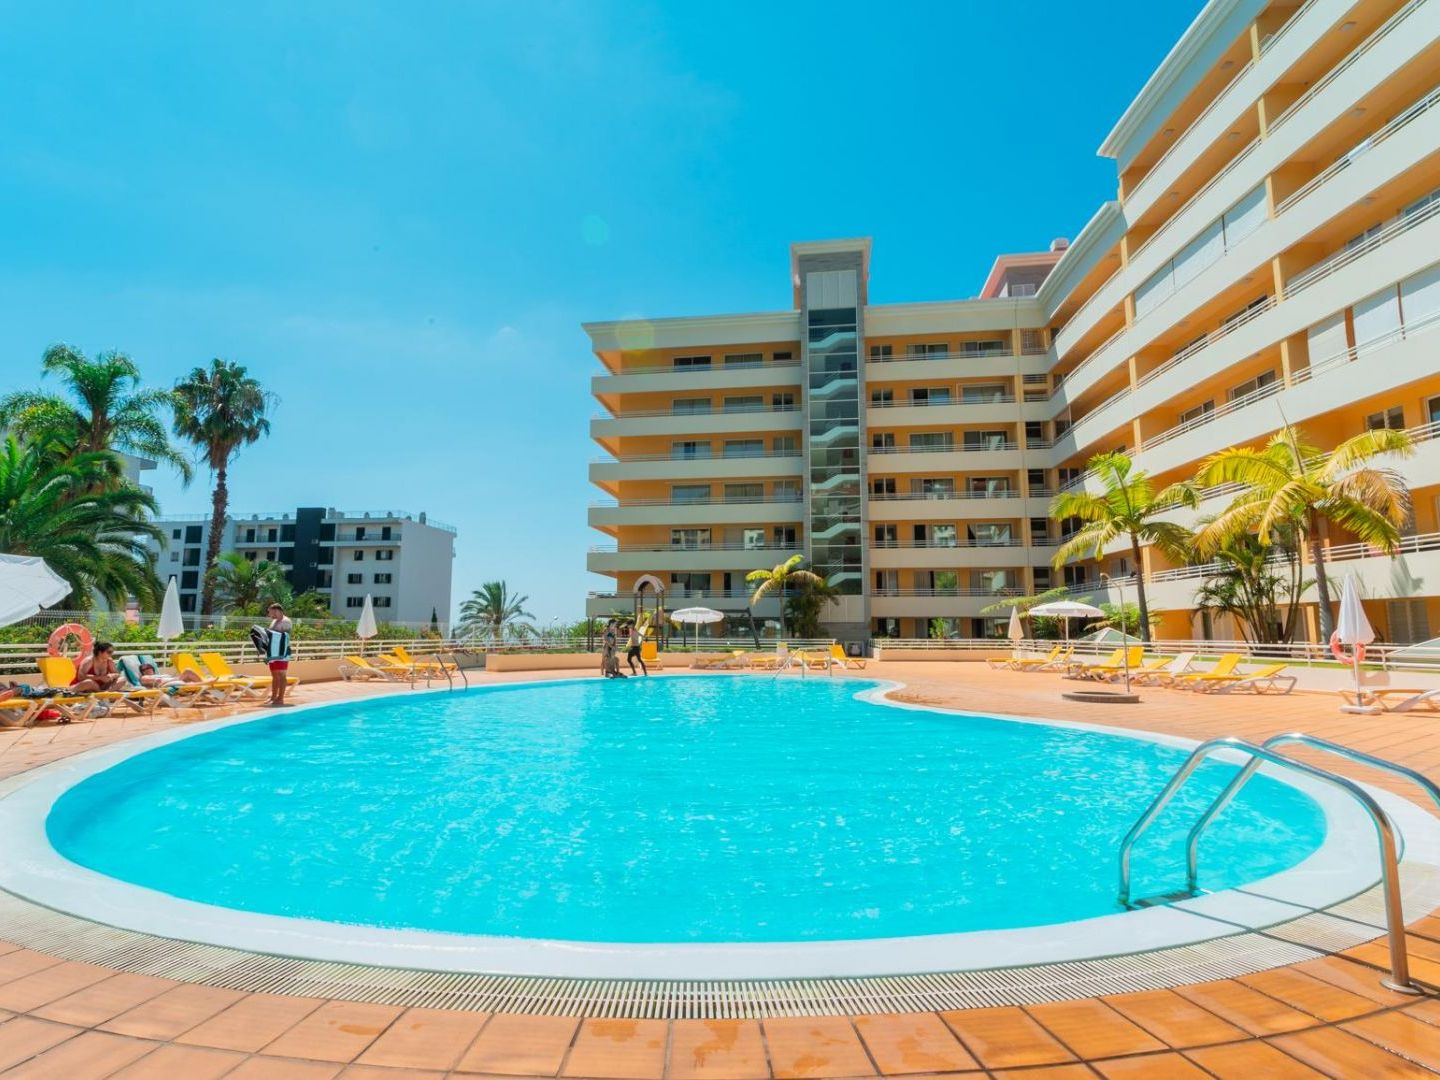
(1337,649)
(62,634)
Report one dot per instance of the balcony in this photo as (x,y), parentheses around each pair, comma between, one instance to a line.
(961,365)
(697,467)
(702,512)
(955,506)
(999,456)
(717,422)
(666,558)
(666,379)
(954,411)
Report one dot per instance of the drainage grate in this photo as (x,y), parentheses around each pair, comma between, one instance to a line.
(70,938)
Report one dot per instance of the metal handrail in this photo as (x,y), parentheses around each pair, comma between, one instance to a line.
(1192,843)
(1384,831)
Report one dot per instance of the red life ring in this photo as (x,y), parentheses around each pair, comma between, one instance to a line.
(1338,650)
(64,633)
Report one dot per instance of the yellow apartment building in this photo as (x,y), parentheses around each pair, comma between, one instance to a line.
(1273,251)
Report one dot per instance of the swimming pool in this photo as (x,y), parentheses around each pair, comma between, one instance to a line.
(720,810)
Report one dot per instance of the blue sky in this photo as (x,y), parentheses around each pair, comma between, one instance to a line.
(398,215)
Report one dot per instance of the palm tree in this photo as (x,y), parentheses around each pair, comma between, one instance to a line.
(1129,507)
(242,586)
(105,409)
(220,409)
(778,580)
(1288,483)
(88,528)
(806,604)
(492,612)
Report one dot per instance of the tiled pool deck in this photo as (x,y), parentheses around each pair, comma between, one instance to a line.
(1325,1017)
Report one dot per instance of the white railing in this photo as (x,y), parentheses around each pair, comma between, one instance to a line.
(1345,256)
(997,594)
(1224,330)
(662,549)
(1094,354)
(736,410)
(19,658)
(1397,124)
(984,354)
(697,369)
(932,496)
(948,448)
(629,458)
(716,500)
(1225,171)
(1346,64)
(988,399)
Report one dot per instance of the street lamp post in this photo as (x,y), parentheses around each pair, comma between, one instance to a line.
(1124,637)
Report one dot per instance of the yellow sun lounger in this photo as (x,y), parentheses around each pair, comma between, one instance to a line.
(60,671)
(1263,680)
(650,655)
(434,663)
(1224,669)
(1058,660)
(219,667)
(854,663)
(1116,664)
(357,667)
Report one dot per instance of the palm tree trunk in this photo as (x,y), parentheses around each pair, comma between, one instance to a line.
(219,503)
(1322,583)
(1139,594)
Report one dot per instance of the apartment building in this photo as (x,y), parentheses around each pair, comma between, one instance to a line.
(402,560)
(1273,252)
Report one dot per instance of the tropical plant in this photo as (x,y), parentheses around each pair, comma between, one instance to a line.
(493,613)
(1122,617)
(89,527)
(103,409)
(240,585)
(806,603)
(1130,508)
(1289,483)
(1258,590)
(1042,627)
(220,409)
(780,580)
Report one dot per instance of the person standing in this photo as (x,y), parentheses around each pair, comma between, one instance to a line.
(607,649)
(633,652)
(278,655)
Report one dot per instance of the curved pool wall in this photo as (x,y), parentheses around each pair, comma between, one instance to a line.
(32,869)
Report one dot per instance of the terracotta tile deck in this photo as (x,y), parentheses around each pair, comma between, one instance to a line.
(1327,1017)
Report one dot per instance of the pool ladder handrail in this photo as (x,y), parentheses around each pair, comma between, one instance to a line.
(1384,830)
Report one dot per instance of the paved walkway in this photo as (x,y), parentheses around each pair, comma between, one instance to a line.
(1327,1017)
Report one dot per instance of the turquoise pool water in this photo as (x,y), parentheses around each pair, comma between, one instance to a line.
(716,809)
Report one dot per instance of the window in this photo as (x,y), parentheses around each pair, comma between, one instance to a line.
(1067,475)
(327,531)
(783,535)
(784,444)
(996,486)
(985,393)
(882,352)
(382,579)
(354,579)
(271,535)
(930,395)
(783,357)
(1035,480)
(690,539)
(187,602)
(192,534)
(983,348)
(382,601)
(1421,203)
(993,581)
(359,556)
(1032,341)
(690,582)
(944,536)
(882,397)
(385,555)
(287,556)
(250,556)
(744,447)
(1034,433)
(190,579)
(689,450)
(939,581)
(690,406)
(751,539)
(359,532)
(885,536)
(934,348)
(354,601)
(933,487)
(932,440)
(745,403)
(782,402)
(990,534)
(786,490)
(1249,386)
(287,534)
(749,359)
(325,556)
(689,493)
(744,492)
(887,581)
(1432,410)
(192,557)
(690,362)
(1377,317)
(1039,528)
(1393,418)
(174,556)
(882,441)
(385,532)
(986,440)
(1198,413)
(174,534)
(1237,316)
(883,487)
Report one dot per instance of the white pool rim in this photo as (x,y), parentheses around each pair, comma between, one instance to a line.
(1344,866)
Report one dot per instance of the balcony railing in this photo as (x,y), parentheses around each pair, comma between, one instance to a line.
(955,590)
(988,399)
(723,411)
(932,496)
(939,545)
(714,500)
(1346,64)
(948,448)
(1345,256)
(1004,353)
(699,369)
(626,459)
(662,549)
